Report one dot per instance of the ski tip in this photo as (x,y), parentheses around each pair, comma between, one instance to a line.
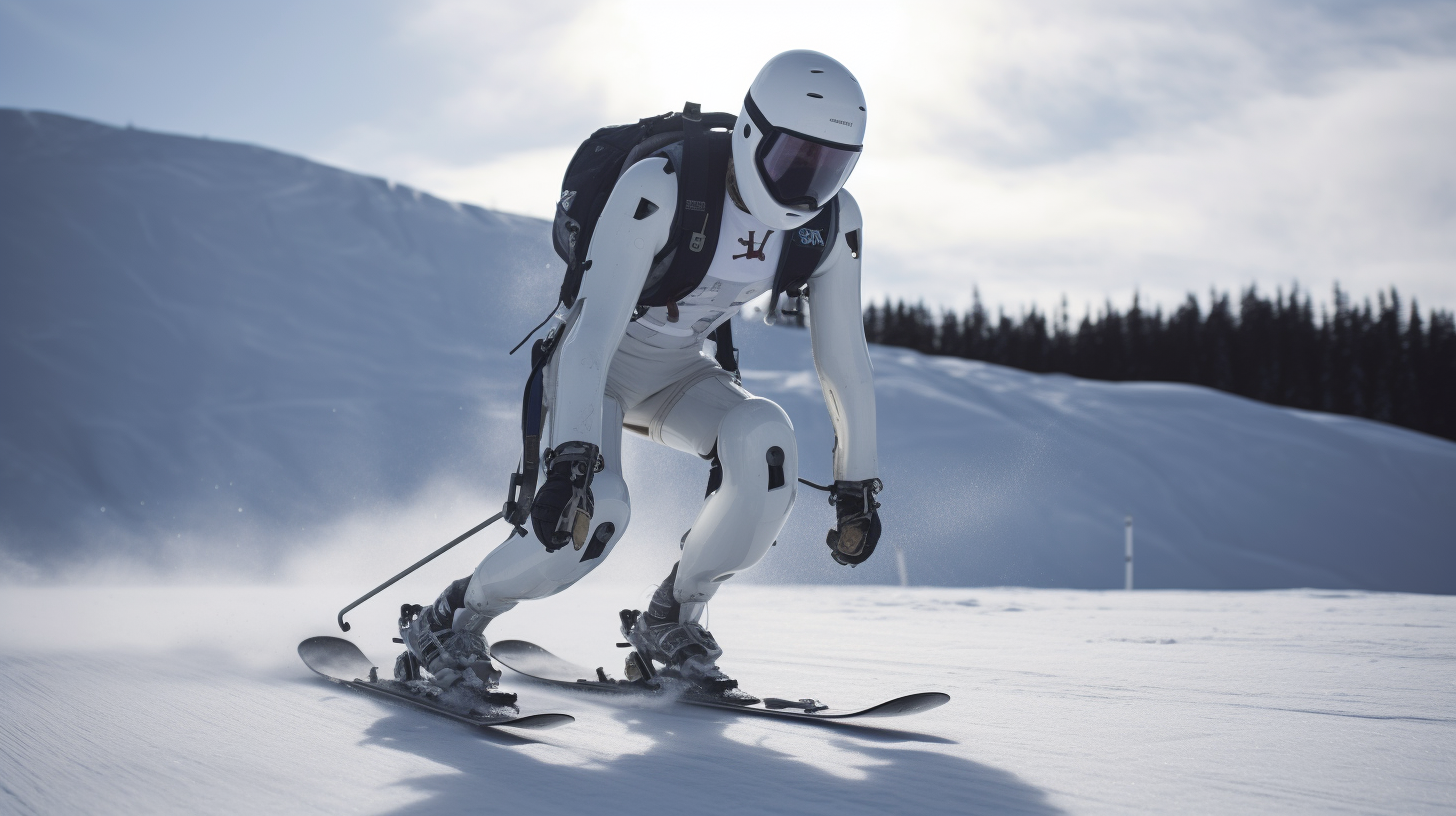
(334,658)
(540,722)
(325,644)
(516,647)
(909,704)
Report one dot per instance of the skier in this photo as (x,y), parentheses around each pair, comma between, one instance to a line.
(794,144)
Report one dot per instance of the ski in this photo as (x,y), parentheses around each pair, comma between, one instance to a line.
(340,661)
(533,661)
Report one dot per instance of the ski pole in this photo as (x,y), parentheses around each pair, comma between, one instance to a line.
(420,563)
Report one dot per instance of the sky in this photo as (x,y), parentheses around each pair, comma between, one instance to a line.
(1029,150)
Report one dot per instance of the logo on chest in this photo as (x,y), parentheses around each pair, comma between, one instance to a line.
(754,253)
(809,237)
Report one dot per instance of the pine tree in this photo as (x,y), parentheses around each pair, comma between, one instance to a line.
(1371,361)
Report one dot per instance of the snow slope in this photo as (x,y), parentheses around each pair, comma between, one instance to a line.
(1002,477)
(220,342)
(190,700)
(224,361)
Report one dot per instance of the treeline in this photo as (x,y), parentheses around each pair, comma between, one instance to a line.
(1377,361)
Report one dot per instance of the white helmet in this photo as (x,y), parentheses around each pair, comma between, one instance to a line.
(797,138)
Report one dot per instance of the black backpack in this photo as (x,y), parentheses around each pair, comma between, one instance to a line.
(698,147)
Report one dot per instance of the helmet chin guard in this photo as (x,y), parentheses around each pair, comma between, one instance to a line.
(798,137)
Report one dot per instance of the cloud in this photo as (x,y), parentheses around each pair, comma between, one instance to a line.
(1351,184)
(1032,148)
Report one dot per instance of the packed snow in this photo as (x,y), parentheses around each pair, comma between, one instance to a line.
(190,699)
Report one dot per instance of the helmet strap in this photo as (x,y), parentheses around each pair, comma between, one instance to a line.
(733,188)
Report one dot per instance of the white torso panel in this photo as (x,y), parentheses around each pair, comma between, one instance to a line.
(739,272)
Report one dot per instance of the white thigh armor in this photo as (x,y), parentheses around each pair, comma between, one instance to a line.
(741,519)
(755,445)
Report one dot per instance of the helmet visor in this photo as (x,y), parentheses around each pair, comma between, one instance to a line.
(803,174)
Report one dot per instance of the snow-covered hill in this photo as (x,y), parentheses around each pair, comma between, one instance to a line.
(219,343)
(222,360)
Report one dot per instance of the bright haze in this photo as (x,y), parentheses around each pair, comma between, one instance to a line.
(1030,149)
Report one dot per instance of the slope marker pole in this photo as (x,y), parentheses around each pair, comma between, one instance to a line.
(1127,523)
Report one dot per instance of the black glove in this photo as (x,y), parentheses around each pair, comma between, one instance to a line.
(562,509)
(857,530)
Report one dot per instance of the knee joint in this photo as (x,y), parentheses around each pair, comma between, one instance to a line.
(756,437)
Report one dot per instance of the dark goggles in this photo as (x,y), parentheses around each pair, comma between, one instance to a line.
(800,172)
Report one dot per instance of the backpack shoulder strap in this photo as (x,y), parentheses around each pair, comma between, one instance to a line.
(701,186)
(804,250)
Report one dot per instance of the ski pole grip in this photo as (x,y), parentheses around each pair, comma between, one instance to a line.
(420,563)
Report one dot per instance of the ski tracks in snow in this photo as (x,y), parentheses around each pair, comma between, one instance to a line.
(1063,701)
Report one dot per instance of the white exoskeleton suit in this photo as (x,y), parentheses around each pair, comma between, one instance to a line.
(656,380)
(652,376)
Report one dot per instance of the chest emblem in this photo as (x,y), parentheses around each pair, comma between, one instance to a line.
(809,237)
(754,253)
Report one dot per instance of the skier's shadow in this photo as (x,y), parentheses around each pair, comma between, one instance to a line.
(677,759)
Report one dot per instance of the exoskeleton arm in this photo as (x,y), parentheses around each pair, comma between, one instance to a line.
(628,235)
(841,355)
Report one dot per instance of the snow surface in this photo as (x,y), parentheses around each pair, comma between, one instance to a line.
(188,700)
(223,361)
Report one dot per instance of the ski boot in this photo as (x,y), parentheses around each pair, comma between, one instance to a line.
(685,648)
(451,654)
